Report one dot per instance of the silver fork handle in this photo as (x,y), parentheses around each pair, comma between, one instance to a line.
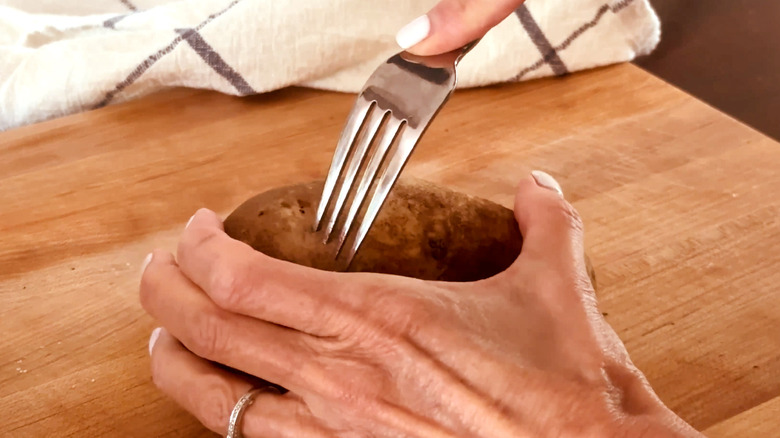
(444,60)
(467,48)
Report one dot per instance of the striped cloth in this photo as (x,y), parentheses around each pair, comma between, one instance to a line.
(61,57)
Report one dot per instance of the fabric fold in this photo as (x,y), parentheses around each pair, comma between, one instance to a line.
(58,58)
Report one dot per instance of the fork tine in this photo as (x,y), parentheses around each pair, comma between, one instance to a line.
(392,129)
(348,136)
(373,123)
(406,145)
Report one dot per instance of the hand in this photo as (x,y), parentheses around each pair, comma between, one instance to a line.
(453,23)
(523,354)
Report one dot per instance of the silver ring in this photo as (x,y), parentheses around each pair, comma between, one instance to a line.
(234,425)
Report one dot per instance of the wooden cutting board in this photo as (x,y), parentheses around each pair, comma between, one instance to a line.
(680,204)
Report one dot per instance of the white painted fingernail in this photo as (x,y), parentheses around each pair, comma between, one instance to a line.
(153,339)
(414,32)
(146,262)
(189,221)
(545,180)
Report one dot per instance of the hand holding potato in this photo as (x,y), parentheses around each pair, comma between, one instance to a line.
(524,353)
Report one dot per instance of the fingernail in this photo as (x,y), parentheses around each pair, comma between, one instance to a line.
(414,32)
(153,339)
(189,221)
(545,180)
(146,262)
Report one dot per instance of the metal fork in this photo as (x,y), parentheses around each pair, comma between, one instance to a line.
(401,98)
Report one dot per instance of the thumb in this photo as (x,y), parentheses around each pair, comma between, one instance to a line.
(552,230)
(452,24)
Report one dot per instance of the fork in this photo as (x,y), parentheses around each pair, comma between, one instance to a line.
(400,99)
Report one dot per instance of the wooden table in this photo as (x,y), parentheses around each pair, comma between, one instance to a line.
(680,204)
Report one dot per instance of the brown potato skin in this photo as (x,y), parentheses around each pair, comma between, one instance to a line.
(423,231)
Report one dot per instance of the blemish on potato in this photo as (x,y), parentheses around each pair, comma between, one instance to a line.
(438,249)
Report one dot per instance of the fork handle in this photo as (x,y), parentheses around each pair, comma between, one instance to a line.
(464,50)
(445,60)
(467,48)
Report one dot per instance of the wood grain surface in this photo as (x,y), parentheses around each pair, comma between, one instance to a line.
(680,205)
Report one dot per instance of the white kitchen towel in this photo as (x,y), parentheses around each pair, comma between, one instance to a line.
(60,57)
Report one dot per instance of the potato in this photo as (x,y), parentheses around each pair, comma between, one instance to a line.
(423,231)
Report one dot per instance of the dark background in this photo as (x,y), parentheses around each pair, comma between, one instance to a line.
(724,52)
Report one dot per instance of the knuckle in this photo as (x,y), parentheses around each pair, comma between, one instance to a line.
(397,315)
(569,217)
(208,338)
(396,299)
(350,397)
(229,283)
(312,349)
(191,239)
(214,411)
(300,412)
(451,11)
(461,7)
(468,14)
(413,312)
(363,407)
(194,239)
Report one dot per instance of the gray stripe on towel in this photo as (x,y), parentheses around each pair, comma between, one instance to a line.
(139,70)
(129,5)
(615,8)
(549,54)
(111,22)
(215,61)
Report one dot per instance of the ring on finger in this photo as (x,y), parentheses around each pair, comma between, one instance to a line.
(234,424)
